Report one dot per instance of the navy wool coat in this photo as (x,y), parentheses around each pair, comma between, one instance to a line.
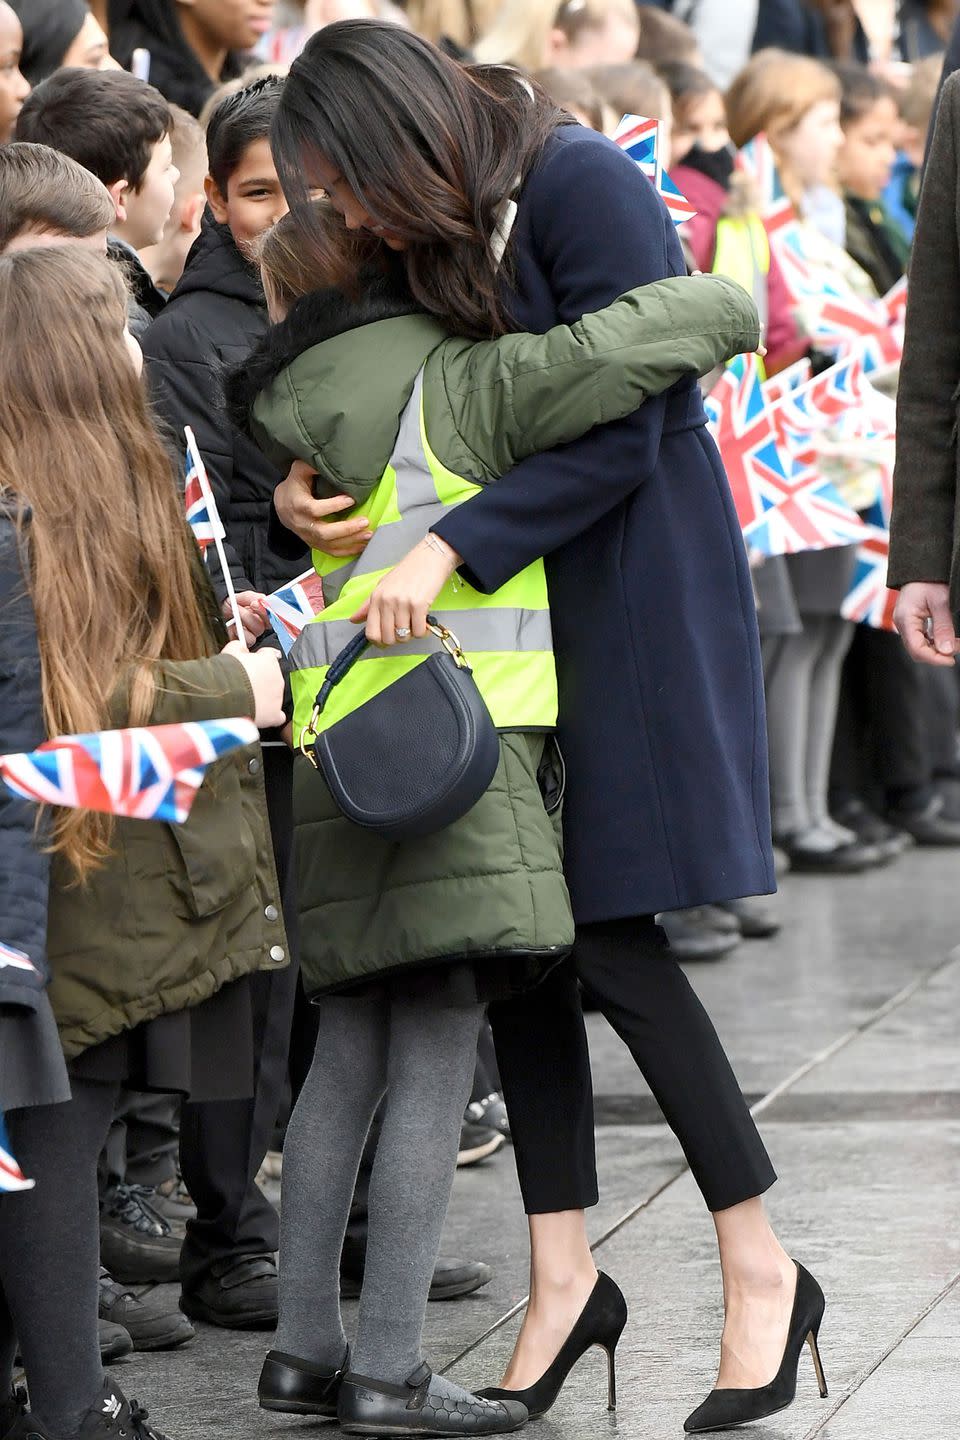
(661,694)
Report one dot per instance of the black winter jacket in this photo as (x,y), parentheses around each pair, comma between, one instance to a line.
(24,868)
(211,322)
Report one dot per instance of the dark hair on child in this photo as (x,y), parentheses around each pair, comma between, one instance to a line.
(45,193)
(106,120)
(240,120)
(860,90)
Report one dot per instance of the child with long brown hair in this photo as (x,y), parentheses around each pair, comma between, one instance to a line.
(149,931)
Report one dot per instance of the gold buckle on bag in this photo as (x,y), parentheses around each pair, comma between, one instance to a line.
(449,642)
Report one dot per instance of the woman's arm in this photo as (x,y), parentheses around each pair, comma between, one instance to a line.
(599,230)
(525,393)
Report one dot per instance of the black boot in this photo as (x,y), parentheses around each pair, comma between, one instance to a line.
(113,1417)
(376,1407)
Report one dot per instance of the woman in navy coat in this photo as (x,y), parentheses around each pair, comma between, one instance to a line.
(661,702)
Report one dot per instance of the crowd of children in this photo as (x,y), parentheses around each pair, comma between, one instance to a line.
(115,194)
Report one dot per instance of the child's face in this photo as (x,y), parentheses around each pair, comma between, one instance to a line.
(810,148)
(869,148)
(703,124)
(231,24)
(13,88)
(148,208)
(254,200)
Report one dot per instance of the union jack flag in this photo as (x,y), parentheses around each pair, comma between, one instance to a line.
(293,605)
(868,600)
(147,773)
(776,208)
(640,138)
(12,959)
(778,386)
(783,504)
(11,1176)
(895,302)
(202,514)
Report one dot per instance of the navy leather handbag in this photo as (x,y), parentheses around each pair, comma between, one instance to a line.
(417,756)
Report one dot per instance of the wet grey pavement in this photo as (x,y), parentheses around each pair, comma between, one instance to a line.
(844,1033)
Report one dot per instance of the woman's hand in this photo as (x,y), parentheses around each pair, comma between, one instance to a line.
(266,679)
(399,606)
(253,614)
(925,623)
(300,511)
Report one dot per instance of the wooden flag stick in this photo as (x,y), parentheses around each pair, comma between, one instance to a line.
(218,531)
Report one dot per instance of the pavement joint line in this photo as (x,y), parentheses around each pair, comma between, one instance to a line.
(802,1071)
(872,1369)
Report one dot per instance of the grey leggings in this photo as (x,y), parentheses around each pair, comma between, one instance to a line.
(50,1256)
(423,1058)
(802,681)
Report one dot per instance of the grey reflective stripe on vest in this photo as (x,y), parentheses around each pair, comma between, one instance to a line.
(479,631)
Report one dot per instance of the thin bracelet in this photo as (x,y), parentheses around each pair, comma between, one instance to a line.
(437,544)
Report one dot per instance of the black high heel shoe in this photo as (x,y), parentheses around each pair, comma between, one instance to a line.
(601,1323)
(726,1409)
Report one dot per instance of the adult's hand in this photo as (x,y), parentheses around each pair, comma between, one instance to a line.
(925,623)
(300,511)
(403,598)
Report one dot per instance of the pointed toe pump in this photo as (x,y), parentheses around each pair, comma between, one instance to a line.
(726,1409)
(601,1323)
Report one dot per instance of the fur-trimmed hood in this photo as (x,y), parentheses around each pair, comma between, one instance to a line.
(314,319)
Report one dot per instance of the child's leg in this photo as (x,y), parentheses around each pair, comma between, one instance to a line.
(834,639)
(8,1346)
(50,1252)
(788,662)
(431,1065)
(321,1155)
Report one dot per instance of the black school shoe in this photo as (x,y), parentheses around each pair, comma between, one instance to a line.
(113,1417)
(452,1279)
(239,1293)
(150,1321)
(298,1387)
(375,1407)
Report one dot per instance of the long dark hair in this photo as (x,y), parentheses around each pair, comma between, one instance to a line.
(431,148)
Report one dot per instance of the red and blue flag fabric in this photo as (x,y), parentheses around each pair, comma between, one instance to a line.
(869,601)
(202,514)
(144,773)
(639,136)
(11,1176)
(293,606)
(13,959)
(776,208)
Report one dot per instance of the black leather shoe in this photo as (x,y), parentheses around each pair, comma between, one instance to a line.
(451,1278)
(692,938)
(151,1321)
(929,825)
(137,1244)
(114,1341)
(237,1294)
(375,1407)
(299,1387)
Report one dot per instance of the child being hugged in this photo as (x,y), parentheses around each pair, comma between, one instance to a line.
(149,931)
(403,943)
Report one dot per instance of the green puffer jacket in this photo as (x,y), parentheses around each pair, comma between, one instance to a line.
(329,386)
(177,911)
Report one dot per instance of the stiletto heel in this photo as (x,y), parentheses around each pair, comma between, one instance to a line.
(726,1409)
(601,1323)
(612,1379)
(813,1342)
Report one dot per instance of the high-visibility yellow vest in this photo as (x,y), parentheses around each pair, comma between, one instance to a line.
(743,254)
(506,637)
